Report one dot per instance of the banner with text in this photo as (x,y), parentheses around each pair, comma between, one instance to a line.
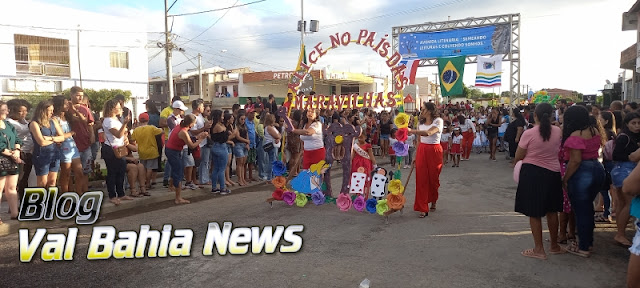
(494,39)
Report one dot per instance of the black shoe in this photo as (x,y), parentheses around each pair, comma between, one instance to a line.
(165,183)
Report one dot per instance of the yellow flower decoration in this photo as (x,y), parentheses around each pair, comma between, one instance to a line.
(395,187)
(339,139)
(402,120)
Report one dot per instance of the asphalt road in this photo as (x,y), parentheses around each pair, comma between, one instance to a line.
(472,240)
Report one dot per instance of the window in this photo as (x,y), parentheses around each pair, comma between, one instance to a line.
(36,55)
(119,59)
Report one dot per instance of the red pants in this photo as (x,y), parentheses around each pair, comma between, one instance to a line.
(310,157)
(467,143)
(428,167)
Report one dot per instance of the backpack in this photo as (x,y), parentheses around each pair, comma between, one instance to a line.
(609,146)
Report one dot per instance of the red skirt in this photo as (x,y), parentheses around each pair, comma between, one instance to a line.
(310,157)
(456,149)
(445,146)
(428,167)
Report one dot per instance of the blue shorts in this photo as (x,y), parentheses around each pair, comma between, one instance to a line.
(620,172)
(44,164)
(86,157)
(384,136)
(229,149)
(174,157)
(240,150)
(69,152)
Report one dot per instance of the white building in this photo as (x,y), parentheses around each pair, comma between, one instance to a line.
(49,48)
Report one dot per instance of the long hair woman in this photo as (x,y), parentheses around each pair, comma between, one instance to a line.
(70,155)
(539,191)
(18,110)
(219,137)
(46,134)
(241,147)
(10,145)
(229,122)
(115,136)
(294,145)
(492,132)
(582,138)
(626,160)
(311,136)
(271,135)
(428,159)
(177,139)
(608,121)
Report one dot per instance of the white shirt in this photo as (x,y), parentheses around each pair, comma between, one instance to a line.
(456,139)
(411,140)
(435,138)
(199,125)
(112,123)
(314,141)
(445,137)
(468,125)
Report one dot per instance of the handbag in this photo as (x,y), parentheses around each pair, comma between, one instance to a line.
(118,152)
(268,147)
(7,164)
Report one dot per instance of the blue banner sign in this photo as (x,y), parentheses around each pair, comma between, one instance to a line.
(486,40)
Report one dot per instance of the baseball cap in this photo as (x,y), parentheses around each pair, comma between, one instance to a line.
(143,117)
(250,109)
(179,105)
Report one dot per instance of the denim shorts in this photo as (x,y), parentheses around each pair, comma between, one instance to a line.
(69,152)
(187,159)
(45,164)
(229,149)
(240,150)
(384,136)
(86,157)
(620,172)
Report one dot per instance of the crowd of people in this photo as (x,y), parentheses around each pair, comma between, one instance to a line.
(572,155)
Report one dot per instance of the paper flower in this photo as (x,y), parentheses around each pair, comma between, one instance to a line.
(382,207)
(358,203)
(278,168)
(279,181)
(301,199)
(402,134)
(396,202)
(343,202)
(395,187)
(402,120)
(371,205)
(318,198)
(277,194)
(339,139)
(289,197)
(401,149)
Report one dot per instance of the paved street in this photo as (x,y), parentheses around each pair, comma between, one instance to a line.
(472,240)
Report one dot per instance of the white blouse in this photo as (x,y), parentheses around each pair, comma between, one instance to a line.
(435,138)
(314,141)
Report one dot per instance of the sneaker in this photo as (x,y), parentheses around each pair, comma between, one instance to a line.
(406,166)
(191,185)
(165,183)
(225,192)
(215,191)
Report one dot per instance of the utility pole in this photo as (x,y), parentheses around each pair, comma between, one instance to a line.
(200,74)
(168,46)
(302,24)
(436,78)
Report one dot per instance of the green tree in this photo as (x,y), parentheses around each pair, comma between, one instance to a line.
(490,95)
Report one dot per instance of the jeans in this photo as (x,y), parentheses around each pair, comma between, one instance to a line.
(262,158)
(408,160)
(271,156)
(167,168)
(620,171)
(24,173)
(203,170)
(175,157)
(220,157)
(608,166)
(116,170)
(583,187)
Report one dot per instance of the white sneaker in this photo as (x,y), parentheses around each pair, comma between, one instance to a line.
(225,192)
(191,185)
(406,166)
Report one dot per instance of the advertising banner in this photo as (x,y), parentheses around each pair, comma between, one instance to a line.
(487,40)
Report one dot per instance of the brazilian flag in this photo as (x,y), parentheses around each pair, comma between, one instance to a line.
(451,70)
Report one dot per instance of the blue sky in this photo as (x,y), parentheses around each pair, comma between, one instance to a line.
(565,43)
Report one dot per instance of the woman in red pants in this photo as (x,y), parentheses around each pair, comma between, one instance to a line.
(428,159)
(468,129)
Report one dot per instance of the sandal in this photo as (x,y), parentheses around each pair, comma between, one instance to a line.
(600,218)
(574,249)
(423,214)
(531,254)
(115,201)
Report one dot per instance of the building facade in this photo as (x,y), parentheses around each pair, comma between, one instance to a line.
(45,54)
(629,57)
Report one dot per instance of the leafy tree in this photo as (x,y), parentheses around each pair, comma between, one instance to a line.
(490,95)
(96,97)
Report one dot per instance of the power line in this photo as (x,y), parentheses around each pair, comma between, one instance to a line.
(75,29)
(173,66)
(219,9)
(214,23)
(174,2)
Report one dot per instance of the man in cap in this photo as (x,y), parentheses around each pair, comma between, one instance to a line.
(164,115)
(145,137)
(173,120)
